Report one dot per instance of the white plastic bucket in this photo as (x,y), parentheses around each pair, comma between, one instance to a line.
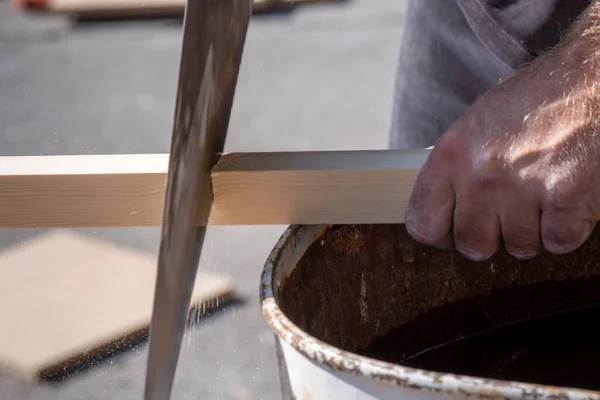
(312,369)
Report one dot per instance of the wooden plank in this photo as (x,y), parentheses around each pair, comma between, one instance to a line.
(370,186)
(82,191)
(131,8)
(345,187)
(69,298)
(105,8)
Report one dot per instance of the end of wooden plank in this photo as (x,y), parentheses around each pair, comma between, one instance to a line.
(82,191)
(329,187)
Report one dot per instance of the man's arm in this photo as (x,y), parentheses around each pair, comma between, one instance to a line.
(521,168)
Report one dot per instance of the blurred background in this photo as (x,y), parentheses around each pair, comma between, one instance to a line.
(313,77)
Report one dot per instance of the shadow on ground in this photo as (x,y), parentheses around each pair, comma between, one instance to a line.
(59,373)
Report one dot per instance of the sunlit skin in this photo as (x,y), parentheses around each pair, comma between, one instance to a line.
(521,168)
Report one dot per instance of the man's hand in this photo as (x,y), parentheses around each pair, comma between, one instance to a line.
(521,168)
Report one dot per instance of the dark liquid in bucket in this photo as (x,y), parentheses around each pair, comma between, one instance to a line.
(562,349)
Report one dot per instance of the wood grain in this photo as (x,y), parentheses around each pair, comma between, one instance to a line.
(69,298)
(347,187)
(370,186)
(82,191)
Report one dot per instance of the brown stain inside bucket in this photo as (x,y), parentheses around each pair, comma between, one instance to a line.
(372,290)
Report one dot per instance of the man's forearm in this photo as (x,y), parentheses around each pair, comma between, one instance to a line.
(588,24)
(571,68)
(582,41)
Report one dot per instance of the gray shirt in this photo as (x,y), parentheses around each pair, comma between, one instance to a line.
(519,30)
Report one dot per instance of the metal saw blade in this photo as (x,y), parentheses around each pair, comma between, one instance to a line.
(213,39)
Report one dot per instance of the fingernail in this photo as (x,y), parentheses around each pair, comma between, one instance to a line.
(558,249)
(419,231)
(522,255)
(473,255)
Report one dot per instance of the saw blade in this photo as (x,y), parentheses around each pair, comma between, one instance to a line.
(213,39)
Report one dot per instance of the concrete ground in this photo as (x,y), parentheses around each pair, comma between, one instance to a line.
(318,78)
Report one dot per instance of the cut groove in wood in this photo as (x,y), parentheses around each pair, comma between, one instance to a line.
(339,187)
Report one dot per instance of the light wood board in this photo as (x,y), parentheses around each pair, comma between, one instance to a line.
(132,8)
(349,187)
(337,187)
(67,298)
(80,191)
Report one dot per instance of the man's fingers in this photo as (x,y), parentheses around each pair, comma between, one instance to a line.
(476,228)
(428,217)
(445,243)
(521,231)
(563,231)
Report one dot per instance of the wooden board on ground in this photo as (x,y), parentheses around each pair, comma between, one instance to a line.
(133,8)
(67,299)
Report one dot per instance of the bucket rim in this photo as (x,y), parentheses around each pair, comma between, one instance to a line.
(343,361)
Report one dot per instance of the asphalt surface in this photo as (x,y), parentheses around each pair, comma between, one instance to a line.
(317,78)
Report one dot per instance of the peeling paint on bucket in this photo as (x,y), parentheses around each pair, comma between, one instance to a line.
(314,369)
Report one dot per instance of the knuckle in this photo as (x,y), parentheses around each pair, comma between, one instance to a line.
(447,148)
(488,167)
(445,143)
